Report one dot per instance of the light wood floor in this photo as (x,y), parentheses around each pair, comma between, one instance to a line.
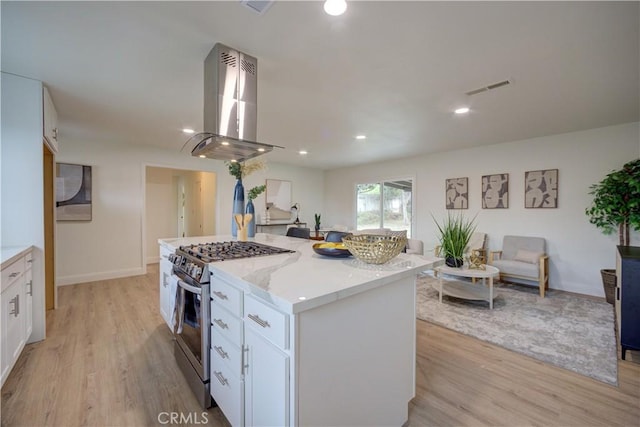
(108,361)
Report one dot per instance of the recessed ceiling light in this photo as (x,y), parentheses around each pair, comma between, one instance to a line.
(335,7)
(187,130)
(302,152)
(224,143)
(462,110)
(202,156)
(234,161)
(361,136)
(261,149)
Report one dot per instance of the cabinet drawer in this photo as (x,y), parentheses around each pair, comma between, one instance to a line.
(269,322)
(227,391)
(227,296)
(11,273)
(226,323)
(224,352)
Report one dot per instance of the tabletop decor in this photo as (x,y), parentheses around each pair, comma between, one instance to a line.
(317,217)
(253,193)
(375,248)
(455,233)
(240,170)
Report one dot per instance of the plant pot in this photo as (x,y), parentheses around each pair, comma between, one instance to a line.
(453,262)
(609,283)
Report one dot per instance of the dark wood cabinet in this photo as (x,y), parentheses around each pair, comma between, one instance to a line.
(628,297)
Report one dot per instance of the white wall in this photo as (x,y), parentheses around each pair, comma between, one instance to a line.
(113,244)
(22,180)
(577,249)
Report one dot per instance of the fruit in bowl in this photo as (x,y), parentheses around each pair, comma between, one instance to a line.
(332,249)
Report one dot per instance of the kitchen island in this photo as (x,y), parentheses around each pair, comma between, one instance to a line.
(301,339)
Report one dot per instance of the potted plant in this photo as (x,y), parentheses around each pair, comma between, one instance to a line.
(616,206)
(317,219)
(455,233)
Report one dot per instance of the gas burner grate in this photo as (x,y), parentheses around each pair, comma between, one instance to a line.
(220,251)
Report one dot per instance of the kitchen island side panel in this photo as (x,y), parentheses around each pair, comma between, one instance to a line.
(356,359)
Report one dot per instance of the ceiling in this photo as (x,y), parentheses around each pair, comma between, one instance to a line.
(132,72)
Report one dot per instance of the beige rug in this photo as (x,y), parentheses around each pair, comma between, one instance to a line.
(566,330)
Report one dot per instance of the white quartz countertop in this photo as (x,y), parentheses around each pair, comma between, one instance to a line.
(302,280)
(12,253)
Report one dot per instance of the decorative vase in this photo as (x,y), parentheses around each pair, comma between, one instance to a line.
(251,231)
(238,206)
(453,262)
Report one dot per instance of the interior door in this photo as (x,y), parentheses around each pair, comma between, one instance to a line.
(48,167)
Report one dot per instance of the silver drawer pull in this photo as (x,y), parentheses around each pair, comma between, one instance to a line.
(220,323)
(30,261)
(30,288)
(220,378)
(221,352)
(13,274)
(220,295)
(259,321)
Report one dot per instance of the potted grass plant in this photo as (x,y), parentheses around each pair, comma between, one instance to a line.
(455,232)
(616,207)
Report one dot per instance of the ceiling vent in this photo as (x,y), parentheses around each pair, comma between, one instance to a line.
(488,87)
(258,6)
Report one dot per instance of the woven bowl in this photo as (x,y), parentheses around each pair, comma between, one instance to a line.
(373,248)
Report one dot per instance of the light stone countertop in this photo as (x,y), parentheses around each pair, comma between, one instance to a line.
(12,253)
(303,280)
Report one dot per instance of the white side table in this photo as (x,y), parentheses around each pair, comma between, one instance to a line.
(466,290)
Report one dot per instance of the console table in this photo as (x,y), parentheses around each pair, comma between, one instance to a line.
(466,290)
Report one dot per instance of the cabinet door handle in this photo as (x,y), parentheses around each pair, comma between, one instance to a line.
(220,378)
(12,275)
(220,295)
(221,352)
(30,288)
(30,261)
(618,294)
(14,301)
(55,133)
(259,321)
(220,323)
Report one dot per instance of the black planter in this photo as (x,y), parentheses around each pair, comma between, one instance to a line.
(453,262)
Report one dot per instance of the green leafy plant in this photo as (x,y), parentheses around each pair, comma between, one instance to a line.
(616,202)
(317,219)
(241,170)
(256,191)
(455,232)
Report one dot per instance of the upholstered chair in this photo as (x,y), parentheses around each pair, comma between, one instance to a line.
(301,232)
(523,258)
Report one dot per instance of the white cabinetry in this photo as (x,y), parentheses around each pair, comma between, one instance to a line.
(50,120)
(17,321)
(168,287)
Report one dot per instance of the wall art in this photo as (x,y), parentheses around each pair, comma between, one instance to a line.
(278,199)
(541,189)
(495,191)
(73,192)
(457,193)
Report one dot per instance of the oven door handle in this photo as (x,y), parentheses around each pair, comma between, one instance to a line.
(193,289)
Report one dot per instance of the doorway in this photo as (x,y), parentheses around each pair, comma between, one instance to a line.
(178,203)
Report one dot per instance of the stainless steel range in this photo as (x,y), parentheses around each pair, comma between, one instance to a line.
(192,324)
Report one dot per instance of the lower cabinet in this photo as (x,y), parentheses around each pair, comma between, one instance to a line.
(168,287)
(266,382)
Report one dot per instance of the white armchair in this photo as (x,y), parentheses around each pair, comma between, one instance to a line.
(523,258)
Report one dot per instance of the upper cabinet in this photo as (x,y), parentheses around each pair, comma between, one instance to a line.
(50,122)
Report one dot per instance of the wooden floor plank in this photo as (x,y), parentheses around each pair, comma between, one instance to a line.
(108,361)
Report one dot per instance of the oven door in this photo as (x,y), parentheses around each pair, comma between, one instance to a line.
(192,328)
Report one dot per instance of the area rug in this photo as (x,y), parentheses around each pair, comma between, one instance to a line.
(566,330)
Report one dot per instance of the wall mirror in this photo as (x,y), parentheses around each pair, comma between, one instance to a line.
(279,199)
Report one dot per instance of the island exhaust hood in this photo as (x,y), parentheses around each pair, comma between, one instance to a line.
(230,108)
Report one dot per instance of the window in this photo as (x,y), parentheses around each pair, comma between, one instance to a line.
(386,204)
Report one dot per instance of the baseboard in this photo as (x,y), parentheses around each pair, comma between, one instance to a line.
(93,277)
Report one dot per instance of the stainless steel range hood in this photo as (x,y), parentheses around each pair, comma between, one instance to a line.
(230,107)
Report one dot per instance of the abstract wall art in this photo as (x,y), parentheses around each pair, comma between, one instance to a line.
(495,191)
(73,192)
(541,189)
(457,193)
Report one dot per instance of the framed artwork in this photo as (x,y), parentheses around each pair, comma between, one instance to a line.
(495,191)
(278,199)
(457,193)
(541,189)
(73,192)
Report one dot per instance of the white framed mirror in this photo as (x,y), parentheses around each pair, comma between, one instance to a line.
(278,199)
